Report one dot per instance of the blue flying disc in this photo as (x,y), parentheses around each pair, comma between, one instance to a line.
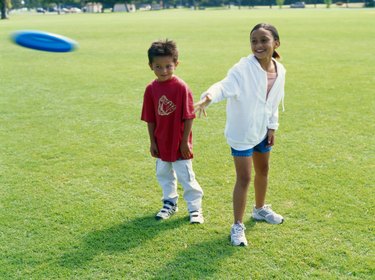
(44,41)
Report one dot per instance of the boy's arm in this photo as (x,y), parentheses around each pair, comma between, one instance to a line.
(153,146)
(184,147)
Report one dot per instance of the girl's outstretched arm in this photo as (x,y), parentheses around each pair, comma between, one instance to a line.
(200,106)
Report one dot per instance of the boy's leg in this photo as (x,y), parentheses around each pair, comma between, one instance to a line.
(193,192)
(167,180)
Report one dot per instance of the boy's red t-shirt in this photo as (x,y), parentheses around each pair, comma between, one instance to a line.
(168,104)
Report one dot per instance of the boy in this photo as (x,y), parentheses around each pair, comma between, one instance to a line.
(169,112)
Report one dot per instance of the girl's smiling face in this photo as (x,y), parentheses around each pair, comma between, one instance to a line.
(263,43)
(163,67)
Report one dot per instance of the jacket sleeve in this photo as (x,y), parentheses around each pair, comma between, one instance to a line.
(226,88)
(274,119)
(273,122)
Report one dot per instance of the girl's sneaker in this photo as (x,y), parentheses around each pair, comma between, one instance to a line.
(167,211)
(237,235)
(266,214)
(196,217)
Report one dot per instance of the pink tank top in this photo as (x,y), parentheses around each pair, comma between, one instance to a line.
(271,78)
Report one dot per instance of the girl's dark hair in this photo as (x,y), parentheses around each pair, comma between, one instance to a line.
(163,48)
(274,32)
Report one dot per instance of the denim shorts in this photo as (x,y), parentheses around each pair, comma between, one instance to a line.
(260,148)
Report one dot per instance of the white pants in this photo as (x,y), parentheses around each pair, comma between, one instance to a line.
(166,174)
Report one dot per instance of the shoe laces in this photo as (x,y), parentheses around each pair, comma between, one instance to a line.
(168,207)
(267,208)
(239,228)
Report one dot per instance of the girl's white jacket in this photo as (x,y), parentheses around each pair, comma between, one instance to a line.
(249,114)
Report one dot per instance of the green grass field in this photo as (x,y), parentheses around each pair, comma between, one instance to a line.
(78,192)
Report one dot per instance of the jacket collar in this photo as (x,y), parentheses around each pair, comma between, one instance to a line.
(251,58)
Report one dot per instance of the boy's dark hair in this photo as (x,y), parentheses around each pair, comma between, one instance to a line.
(274,32)
(163,48)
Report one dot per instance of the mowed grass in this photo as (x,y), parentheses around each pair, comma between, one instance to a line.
(78,192)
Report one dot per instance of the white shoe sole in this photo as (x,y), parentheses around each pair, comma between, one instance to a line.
(196,221)
(241,244)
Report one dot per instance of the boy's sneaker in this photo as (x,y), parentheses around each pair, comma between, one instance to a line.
(167,211)
(266,214)
(196,217)
(237,235)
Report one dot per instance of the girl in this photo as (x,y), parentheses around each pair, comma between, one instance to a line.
(254,88)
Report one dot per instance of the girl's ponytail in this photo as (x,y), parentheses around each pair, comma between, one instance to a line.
(276,55)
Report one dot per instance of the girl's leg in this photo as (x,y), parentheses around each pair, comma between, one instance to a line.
(262,211)
(261,167)
(243,177)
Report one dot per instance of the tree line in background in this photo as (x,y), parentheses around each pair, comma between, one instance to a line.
(32,4)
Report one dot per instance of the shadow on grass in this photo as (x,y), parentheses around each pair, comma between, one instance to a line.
(202,259)
(198,261)
(250,224)
(119,238)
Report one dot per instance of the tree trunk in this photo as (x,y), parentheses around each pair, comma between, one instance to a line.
(3,9)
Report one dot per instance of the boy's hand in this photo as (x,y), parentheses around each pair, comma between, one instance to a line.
(271,137)
(185,150)
(201,105)
(154,150)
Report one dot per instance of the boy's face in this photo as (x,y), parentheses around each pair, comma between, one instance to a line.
(163,67)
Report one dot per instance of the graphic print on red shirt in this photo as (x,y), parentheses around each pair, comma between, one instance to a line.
(168,104)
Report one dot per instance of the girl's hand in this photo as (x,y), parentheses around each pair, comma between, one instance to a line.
(201,105)
(271,137)
(154,150)
(185,150)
